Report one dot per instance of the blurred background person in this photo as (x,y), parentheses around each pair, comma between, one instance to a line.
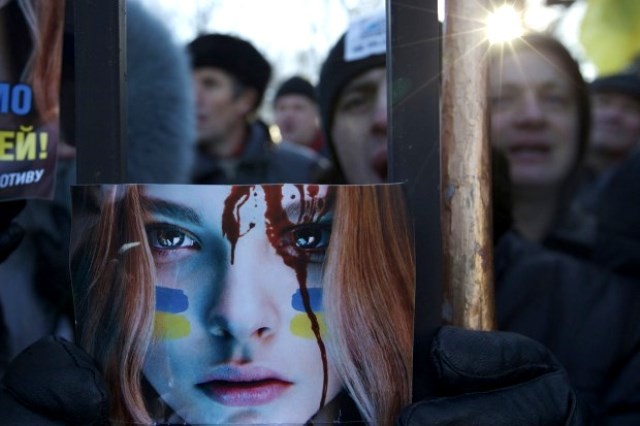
(540,119)
(230,77)
(615,128)
(295,112)
(352,95)
(615,133)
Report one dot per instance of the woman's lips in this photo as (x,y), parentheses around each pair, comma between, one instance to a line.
(244,386)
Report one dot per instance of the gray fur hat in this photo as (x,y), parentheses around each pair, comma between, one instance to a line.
(161,129)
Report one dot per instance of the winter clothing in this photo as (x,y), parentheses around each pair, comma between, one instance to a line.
(627,83)
(261,161)
(161,128)
(233,55)
(493,379)
(588,318)
(296,86)
(337,71)
(618,211)
(54,383)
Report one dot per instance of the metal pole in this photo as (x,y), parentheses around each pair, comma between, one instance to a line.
(100,63)
(466,170)
(414,85)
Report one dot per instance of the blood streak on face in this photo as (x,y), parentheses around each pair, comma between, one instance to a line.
(231,215)
(312,208)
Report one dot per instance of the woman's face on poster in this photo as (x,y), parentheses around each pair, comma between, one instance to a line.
(238,326)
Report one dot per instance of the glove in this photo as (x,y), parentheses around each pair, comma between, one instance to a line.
(10,232)
(53,382)
(494,378)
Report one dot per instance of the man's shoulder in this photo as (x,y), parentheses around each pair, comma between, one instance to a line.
(292,150)
(301,163)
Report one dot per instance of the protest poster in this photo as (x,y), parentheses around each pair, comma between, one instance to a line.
(30,68)
(258,304)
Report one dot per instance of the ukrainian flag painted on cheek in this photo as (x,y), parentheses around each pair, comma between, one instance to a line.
(168,324)
(301,323)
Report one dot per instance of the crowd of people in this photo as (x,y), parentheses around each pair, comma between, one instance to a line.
(566,232)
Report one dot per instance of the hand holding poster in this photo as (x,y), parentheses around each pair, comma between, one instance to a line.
(30,65)
(246,304)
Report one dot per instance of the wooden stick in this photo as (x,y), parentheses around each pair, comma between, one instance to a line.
(468,298)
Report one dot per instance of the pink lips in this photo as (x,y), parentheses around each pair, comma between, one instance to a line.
(244,386)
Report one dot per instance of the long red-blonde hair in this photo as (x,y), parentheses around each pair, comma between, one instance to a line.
(368,283)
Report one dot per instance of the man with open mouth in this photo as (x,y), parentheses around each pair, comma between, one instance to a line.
(539,118)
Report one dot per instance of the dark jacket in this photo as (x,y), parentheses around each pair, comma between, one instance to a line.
(262,161)
(588,317)
(617,247)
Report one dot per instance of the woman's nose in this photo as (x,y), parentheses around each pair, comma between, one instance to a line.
(246,309)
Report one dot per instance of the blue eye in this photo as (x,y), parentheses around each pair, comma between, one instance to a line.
(311,237)
(309,241)
(168,237)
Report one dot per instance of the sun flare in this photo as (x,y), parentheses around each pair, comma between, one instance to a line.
(504,24)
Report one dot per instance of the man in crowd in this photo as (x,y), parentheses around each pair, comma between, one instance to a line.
(295,111)
(353,106)
(230,77)
(615,128)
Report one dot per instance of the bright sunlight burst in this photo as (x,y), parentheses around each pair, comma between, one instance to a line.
(504,24)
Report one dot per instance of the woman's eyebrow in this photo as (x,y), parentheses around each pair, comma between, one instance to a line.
(172,210)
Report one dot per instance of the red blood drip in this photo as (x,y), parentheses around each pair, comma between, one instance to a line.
(231,215)
(276,221)
(313,190)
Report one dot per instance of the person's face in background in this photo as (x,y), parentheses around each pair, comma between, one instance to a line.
(359,130)
(616,123)
(534,117)
(220,105)
(232,340)
(297,118)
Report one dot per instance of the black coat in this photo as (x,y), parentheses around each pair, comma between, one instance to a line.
(262,161)
(588,317)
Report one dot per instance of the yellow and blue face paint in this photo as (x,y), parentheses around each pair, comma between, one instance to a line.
(301,323)
(168,323)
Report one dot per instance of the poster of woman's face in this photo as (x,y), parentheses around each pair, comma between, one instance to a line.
(246,304)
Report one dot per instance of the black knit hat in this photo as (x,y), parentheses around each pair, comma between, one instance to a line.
(234,55)
(296,86)
(625,83)
(339,69)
